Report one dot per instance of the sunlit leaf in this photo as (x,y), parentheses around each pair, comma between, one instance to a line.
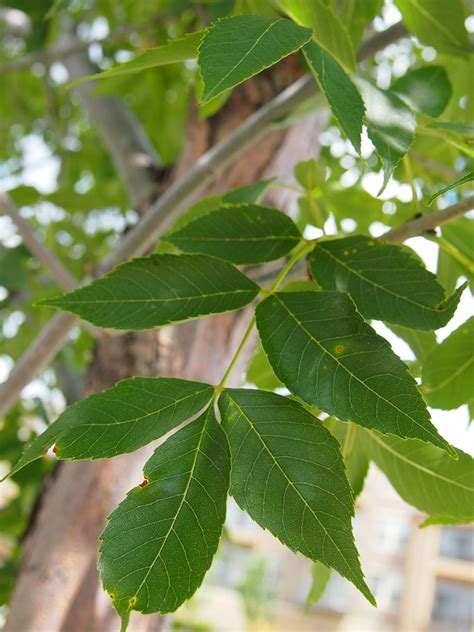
(226,59)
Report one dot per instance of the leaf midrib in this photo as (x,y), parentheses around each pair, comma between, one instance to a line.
(219,239)
(172,299)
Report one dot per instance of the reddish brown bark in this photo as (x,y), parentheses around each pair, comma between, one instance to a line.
(58,588)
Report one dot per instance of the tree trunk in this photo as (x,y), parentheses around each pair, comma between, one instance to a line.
(58,586)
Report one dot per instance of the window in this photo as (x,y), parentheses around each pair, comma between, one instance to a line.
(453,606)
(457,543)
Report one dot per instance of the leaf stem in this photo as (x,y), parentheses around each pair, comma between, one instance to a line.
(300,251)
(455,253)
(349,440)
(411,179)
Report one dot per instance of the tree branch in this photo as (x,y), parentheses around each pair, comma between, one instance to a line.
(46,256)
(420,225)
(161,214)
(133,155)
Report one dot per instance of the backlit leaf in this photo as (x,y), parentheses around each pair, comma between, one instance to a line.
(469,177)
(328,30)
(158,290)
(323,351)
(426,90)
(161,539)
(240,233)
(425,476)
(174,51)
(237,48)
(448,370)
(121,419)
(437,23)
(320,576)
(288,475)
(385,281)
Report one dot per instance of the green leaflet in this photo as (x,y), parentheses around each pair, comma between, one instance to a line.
(357,460)
(356,16)
(260,372)
(420,342)
(385,281)
(457,243)
(425,476)
(240,233)
(441,520)
(426,90)
(341,94)
(328,30)
(459,134)
(469,177)
(58,7)
(437,23)
(309,174)
(323,351)
(174,51)
(246,193)
(390,125)
(161,539)
(320,576)
(237,48)
(121,419)
(448,370)
(158,290)
(288,474)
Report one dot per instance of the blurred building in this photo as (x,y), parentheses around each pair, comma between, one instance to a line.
(423,579)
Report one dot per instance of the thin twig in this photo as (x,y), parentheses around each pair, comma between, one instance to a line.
(59,54)
(420,225)
(160,215)
(44,254)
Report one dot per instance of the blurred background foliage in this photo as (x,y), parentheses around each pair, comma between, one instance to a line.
(64,183)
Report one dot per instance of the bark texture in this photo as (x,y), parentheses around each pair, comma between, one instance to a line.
(58,588)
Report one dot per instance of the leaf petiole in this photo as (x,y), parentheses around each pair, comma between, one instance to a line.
(301,251)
